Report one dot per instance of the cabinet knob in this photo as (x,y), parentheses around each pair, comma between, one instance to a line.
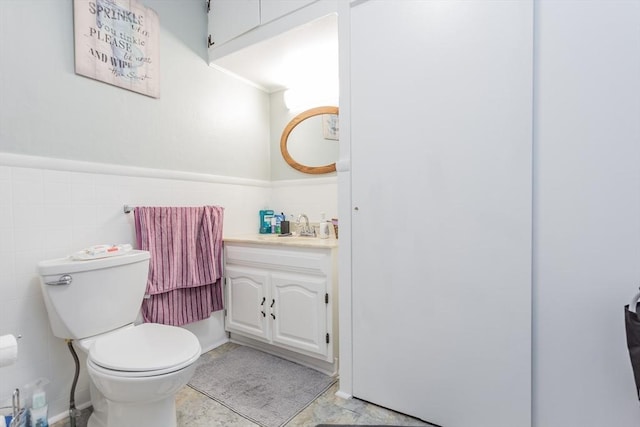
(209,42)
(273,315)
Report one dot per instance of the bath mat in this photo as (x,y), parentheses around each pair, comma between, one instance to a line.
(265,389)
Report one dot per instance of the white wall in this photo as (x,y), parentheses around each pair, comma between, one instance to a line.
(586,211)
(310,196)
(295,192)
(205,121)
(73,151)
(205,141)
(48,213)
(280,117)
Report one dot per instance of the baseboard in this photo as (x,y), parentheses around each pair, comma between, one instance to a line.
(64,415)
(343,395)
(216,344)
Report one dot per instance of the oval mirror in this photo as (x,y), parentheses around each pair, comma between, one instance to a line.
(309,143)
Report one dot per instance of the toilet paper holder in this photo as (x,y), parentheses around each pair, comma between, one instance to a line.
(9,349)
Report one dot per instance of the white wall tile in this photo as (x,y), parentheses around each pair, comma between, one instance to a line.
(57,193)
(82,189)
(26,276)
(84,215)
(6,203)
(28,317)
(6,238)
(56,176)
(58,241)
(57,213)
(62,376)
(28,192)
(28,216)
(7,279)
(27,174)
(29,239)
(5,173)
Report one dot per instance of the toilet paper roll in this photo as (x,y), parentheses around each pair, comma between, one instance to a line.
(8,350)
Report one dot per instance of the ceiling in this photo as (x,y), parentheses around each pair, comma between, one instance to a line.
(303,57)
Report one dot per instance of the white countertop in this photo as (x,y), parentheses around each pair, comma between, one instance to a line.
(274,239)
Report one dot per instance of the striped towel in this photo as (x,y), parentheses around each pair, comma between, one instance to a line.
(185,269)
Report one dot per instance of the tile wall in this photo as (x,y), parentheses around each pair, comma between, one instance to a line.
(47,213)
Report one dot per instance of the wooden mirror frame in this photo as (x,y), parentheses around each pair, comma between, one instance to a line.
(285,136)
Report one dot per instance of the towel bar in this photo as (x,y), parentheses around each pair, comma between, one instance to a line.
(128,209)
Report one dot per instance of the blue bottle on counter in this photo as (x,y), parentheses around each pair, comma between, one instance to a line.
(265,221)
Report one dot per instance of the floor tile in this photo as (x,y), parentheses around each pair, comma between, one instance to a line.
(197,410)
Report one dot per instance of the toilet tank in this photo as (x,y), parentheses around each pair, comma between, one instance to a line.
(104,294)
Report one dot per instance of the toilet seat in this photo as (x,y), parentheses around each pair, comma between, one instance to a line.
(145,350)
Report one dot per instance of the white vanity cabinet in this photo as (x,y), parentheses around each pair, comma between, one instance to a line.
(282,298)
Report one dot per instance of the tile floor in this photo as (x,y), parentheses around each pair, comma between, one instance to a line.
(197,410)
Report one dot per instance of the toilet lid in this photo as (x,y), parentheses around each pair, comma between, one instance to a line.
(147,347)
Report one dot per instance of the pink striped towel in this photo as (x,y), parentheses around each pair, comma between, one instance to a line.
(185,269)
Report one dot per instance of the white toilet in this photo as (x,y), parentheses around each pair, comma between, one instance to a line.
(135,371)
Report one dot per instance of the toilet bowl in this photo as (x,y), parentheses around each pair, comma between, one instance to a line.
(134,370)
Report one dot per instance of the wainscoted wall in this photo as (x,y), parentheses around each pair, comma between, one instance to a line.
(50,213)
(205,121)
(206,140)
(309,196)
(53,208)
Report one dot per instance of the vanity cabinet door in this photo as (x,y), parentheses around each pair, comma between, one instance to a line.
(299,312)
(247,306)
(230,18)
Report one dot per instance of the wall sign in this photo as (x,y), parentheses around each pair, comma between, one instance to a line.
(116,41)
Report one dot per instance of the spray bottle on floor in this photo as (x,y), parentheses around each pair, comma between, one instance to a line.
(39,407)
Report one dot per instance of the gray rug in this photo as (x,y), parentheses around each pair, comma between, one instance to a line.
(265,389)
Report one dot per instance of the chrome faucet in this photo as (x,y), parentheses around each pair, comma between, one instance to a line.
(306,229)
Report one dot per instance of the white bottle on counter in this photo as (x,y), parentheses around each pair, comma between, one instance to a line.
(323,232)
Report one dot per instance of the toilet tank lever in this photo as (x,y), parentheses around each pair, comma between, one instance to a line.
(63,280)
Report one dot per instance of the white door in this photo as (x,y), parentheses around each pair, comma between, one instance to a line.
(247,306)
(299,312)
(441,189)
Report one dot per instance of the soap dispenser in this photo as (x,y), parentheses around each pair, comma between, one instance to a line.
(323,232)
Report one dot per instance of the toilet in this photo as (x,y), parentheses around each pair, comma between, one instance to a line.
(135,370)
